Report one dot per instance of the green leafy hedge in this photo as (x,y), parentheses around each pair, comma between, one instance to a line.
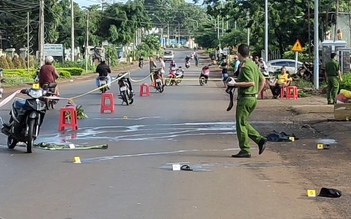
(346,84)
(72,71)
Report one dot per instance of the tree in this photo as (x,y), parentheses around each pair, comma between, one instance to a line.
(120,22)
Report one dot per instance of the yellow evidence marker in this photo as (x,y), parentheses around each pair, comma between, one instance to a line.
(311,193)
(76,160)
(320,146)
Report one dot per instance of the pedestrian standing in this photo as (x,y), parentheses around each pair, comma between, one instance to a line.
(153,68)
(196,60)
(333,78)
(250,83)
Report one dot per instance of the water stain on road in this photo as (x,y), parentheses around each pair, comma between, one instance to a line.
(141,132)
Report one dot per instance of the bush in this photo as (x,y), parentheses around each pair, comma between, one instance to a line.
(74,65)
(72,71)
(3,63)
(346,84)
(10,62)
(64,74)
(23,63)
(16,63)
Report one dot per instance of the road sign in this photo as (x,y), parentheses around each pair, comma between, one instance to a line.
(297,47)
(53,49)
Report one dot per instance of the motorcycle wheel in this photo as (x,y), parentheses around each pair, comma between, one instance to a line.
(168,82)
(160,87)
(125,97)
(30,137)
(201,81)
(11,142)
(52,104)
(103,90)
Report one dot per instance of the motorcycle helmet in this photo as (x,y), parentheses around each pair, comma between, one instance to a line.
(49,59)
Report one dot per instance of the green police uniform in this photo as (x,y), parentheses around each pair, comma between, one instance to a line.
(246,104)
(332,68)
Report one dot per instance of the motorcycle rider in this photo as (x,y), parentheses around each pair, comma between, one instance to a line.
(172,65)
(202,72)
(141,62)
(48,74)
(103,70)
(163,67)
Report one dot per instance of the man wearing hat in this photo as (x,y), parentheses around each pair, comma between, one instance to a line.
(333,78)
(250,82)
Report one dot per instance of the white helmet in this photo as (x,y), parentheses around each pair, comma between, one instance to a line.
(49,59)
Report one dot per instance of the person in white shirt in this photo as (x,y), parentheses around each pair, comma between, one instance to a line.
(263,67)
(163,68)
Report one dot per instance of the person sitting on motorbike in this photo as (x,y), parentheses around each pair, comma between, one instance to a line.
(103,70)
(127,79)
(172,65)
(203,74)
(48,74)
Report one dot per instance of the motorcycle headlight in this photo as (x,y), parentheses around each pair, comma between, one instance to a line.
(35,93)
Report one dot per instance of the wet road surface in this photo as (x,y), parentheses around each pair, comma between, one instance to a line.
(133,178)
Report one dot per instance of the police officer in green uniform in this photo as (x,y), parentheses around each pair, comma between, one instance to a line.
(332,74)
(250,82)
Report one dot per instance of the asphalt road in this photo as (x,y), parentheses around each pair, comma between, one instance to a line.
(133,178)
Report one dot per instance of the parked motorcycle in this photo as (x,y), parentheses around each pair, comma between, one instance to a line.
(26,118)
(102,82)
(1,80)
(124,90)
(205,72)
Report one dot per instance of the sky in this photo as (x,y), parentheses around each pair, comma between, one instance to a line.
(94,2)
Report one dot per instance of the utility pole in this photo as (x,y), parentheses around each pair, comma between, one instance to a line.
(168,34)
(72,31)
(266,30)
(218,29)
(86,45)
(309,30)
(41,32)
(28,41)
(316,47)
(336,20)
(102,5)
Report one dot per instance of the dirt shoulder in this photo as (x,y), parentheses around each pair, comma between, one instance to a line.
(308,119)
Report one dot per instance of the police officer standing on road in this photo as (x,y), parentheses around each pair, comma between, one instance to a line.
(332,74)
(250,82)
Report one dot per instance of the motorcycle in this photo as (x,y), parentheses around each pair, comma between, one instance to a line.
(187,64)
(124,90)
(26,118)
(158,82)
(171,76)
(204,72)
(1,81)
(50,89)
(103,82)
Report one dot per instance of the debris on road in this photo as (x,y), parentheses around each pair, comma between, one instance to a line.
(52,146)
